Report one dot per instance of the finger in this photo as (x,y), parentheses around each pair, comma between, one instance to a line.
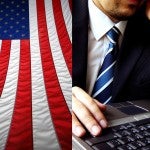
(101,106)
(77,128)
(91,105)
(85,117)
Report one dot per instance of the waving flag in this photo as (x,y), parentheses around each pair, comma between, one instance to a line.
(35,74)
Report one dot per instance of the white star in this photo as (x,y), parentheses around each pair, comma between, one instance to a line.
(23,18)
(2,3)
(23,35)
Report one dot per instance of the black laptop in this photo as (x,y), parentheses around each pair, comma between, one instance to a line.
(129,129)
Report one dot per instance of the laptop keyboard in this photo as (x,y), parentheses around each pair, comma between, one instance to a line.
(129,136)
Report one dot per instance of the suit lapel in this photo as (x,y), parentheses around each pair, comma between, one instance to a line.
(129,53)
(80,42)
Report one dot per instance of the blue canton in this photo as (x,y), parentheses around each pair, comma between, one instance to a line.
(14,19)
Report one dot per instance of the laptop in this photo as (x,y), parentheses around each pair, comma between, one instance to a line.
(128,129)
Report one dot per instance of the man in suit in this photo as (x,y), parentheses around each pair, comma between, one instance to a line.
(92,19)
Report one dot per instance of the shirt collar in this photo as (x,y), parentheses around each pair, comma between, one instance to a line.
(100,23)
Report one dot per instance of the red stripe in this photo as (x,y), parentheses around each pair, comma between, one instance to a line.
(59,111)
(63,36)
(20,134)
(4,61)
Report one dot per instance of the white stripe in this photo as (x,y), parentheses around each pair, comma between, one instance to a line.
(111,40)
(106,70)
(44,136)
(107,100)
(109,50)
(67,16)
(0,45)
(8,96)
(115,29)
(60,64)
(103,87)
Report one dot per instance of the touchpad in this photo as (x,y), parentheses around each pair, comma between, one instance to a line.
(132,110)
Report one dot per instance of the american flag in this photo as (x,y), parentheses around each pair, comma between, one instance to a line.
(35,74)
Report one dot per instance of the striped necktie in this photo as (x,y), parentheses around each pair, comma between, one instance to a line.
(102,90)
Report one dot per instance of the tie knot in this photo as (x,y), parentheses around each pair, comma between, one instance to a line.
(113,35)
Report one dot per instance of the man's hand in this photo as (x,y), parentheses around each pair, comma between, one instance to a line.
(87,113)
(148,9)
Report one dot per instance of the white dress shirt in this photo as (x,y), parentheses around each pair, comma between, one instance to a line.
(99,25)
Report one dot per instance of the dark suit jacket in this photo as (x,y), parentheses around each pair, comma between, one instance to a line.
(132,72)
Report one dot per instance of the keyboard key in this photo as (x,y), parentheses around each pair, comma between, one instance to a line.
(125,147)
(113,143)
(142,122)
(148,126)
(140,143)
(124,133)
(132,146)
(138,136)
(136,145)
(146,148)
(146,141)
(134,130)
(142,128)
(130,139)
(100,139)
(124,140)
(118,128)
(103,146)
(146,133)
(129,125)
